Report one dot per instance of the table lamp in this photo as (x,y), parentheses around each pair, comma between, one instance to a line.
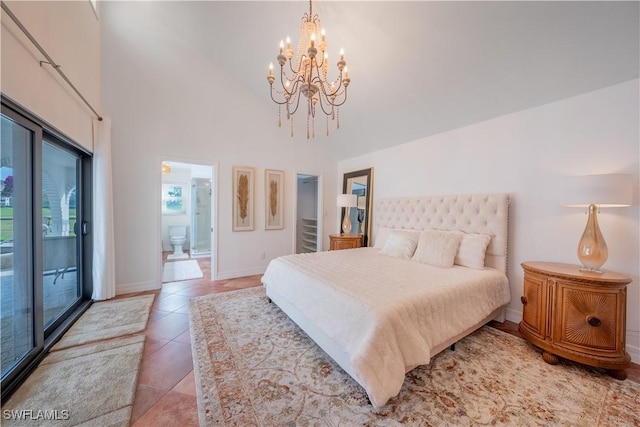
(595,192)
(347,201)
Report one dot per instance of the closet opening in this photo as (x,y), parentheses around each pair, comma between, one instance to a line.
(308,214)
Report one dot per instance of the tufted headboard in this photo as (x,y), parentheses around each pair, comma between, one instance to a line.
(470,213)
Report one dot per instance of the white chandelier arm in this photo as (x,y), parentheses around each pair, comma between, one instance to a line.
(297,101)
(275,100)
(329,94)
(331,102)
(293,83)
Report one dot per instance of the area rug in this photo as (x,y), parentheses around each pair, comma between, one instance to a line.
(181,270)
(92,385)
(255,367)
(108,319)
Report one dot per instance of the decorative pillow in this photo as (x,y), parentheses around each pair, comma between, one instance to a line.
(472,251)
(438,248)
(382,234)
(401,244)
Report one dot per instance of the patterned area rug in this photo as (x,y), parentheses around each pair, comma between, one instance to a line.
(108,319)
(181,270)
(255,367)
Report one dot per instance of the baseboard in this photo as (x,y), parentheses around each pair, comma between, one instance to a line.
(136,287)
(233,274)
(633,349)
(514,315)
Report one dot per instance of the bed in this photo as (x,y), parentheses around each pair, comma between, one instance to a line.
(379,315)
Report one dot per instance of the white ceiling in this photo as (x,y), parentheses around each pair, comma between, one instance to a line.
(420,68)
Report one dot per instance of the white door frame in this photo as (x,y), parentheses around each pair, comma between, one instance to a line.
(214,211)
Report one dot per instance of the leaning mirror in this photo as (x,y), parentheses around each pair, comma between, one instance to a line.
(359,183)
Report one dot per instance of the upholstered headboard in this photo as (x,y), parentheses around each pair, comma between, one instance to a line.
(470,213)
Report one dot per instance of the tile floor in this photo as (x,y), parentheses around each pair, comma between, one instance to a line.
(166,391)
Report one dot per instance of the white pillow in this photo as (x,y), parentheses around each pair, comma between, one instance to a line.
(472,251)
(382,234)
(401,244)
(438,248)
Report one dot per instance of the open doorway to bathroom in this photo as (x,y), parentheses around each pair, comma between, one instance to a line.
(187,217)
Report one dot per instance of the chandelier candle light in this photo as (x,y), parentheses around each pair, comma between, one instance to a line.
(307,74)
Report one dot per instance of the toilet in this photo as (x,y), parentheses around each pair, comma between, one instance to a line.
(177,238)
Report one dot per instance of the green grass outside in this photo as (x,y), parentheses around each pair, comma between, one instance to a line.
(6,221)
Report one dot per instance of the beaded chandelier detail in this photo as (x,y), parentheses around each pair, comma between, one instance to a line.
(306,73)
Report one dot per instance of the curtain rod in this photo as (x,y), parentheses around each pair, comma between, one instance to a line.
(49,61)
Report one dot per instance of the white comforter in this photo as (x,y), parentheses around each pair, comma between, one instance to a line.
(385,312)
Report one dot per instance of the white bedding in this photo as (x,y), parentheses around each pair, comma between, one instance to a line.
(386,313)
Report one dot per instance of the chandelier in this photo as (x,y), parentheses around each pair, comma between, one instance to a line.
(306,74)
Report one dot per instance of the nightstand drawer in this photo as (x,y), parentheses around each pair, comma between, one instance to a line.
(589,320)
(344,241)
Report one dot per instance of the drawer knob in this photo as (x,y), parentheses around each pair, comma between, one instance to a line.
(523,300)
(594,321)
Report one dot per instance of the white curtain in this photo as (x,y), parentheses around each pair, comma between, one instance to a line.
(104,272)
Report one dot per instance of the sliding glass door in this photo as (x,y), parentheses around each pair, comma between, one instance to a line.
(16,250)
(61,231)
(44,244)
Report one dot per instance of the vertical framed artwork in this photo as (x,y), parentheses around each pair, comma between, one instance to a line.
(174,199)
(274,199)
(243,198)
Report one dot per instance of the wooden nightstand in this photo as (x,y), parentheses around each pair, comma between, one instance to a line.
(344,241)
(575,314)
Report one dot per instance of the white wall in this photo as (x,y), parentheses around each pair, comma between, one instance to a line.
(70,33)
(171,100)
(526,154)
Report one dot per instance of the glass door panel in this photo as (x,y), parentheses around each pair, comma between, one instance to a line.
(60,232)
(16,252)
(201,211)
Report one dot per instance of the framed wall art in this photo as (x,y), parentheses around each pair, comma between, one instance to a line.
(174,199)
(274,199)
(243,198)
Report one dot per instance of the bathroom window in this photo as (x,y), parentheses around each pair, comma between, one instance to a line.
(173,199)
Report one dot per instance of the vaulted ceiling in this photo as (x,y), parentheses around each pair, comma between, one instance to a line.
(420,68)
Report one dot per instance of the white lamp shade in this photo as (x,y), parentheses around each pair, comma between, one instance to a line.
(612,190)
(347,200)
(362,202)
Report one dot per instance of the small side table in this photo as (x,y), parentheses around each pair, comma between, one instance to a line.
(344,241)
(577,315)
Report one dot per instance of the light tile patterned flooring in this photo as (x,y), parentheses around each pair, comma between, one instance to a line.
(166,391)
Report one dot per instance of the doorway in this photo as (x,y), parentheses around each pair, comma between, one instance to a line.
(187,216)
(308,214)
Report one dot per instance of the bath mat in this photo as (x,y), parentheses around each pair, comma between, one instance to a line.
(108,319)
(181,270)
(92,385)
